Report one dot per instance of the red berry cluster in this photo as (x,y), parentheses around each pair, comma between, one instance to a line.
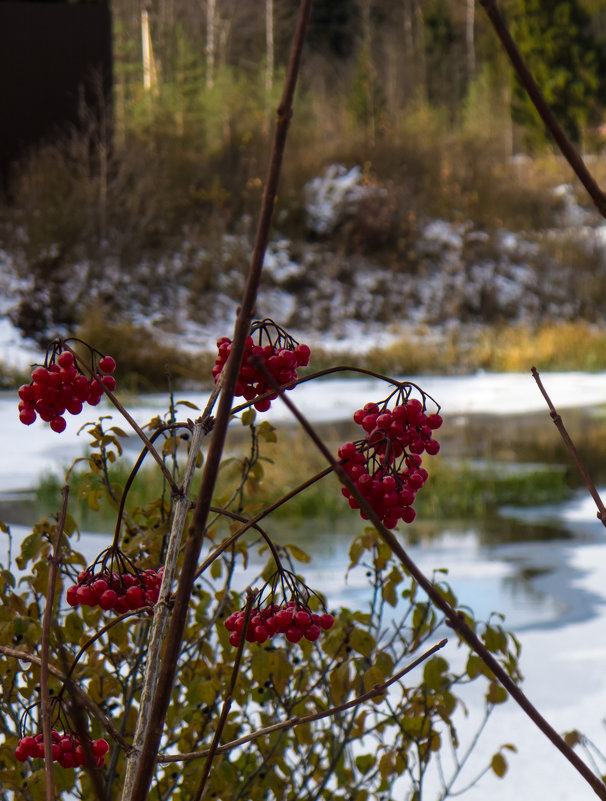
(386,464)
(121,592)
(280,357)
(60,387)
(67,750)
(294,620)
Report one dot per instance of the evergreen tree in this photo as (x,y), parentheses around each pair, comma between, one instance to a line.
(567,59)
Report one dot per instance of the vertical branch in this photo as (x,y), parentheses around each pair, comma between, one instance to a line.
(161,612)
(251,596)
(45,706)
(559,424)
(231,370)
(545,112)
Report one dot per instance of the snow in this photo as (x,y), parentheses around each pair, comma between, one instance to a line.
(36,449)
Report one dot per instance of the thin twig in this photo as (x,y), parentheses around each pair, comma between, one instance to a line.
(25,656)
(545,112)
(559,424)
(45,705)
(254,520)
(76,713)
(454,619)
(231,370)
(251,596)
(297,720)
(128,417)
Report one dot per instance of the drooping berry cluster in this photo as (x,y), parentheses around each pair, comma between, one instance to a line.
(386,464)
(292,619)
(67,750)
(121,592)
(281,355)
(59,387)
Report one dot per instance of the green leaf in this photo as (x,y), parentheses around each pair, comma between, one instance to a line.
(386,765)
(248,417)
(362,642)
(496,693)
(216,568)
(186,403)
(356,549)
(433,672)
(30,548)
(384,662)
(73,627)
(499,765)
(372,677)
(298,554)
(365,763)
(388,592)
(339,683)
(267,432)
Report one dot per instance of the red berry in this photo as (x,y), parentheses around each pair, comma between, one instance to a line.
(302,619)
(40,375)
(409,514)
(107,364)
(434,421)
(58,424)
(65,360)
(312,633)
(71,596)
(432,447)
(100,747)
(27,416)
(327,621)
(109,381)
(293,634)
(107,599)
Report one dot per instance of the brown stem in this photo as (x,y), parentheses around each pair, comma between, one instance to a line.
(100,633)
(341,368)
(551,123)
(376,690)
(454,619)
(75,710)
(45,705)
(559,424)
(254,520)
(129,418)
(25,656)
(193,545)
(251,596)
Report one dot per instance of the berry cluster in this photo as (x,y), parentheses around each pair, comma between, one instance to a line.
(59,387)
(386,464)
(67,750)
(280,357)
(121,592)
(294,620)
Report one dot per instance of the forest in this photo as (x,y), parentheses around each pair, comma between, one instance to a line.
(416,95)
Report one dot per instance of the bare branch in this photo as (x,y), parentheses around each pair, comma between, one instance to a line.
(45,705)
(551,122)
(374,692)
(231,370)
(559,424)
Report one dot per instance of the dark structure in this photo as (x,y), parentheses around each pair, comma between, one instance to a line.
(55,60)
